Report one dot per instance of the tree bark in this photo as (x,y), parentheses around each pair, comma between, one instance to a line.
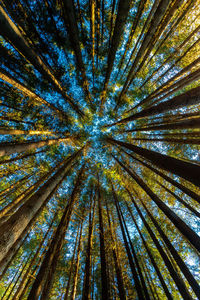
(15,225)
(181,187)
(87,276)
(138,286)
(13,35)
(68,12)
(70,270)
(19,290)
(104,271)
(186,231)
(183,267)
(10,147)
(122,14)
(49,263)
(188,171)
(120,281)
(75,281)
(162,281)
(177,279)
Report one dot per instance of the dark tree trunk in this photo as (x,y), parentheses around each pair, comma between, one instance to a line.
(138,286)
(188,171)
(162,281)
(87,276)
(53,252)
(104,272)
(177,279)
(120,281)
(186,231)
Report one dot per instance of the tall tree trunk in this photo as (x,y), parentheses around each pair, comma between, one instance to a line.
(98,7)
(185,124)
(75,280)
(87,273)
(5,161)
(12,34)
(25,132)
(8,210)
(170,141)
(143,283)
(70,270)
(5,264)
(120,281)
(162,281)
(169,58)
(10,147)
(47,268)
(186,231)
(11,230)
(183,267)
(11,282)
(68,12)
(188,98)
(22,283)
(181,187)
(138,286)
(19,276)
(93,35)
(146,26)
(179,199)
(188,171)
(122,14)
(131,33)
(104,271)
(177,279)
(12,187)
(160,12)
(27,92)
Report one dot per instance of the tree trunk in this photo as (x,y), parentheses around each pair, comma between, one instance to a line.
(183,202)
(181,187)
(70,270)
(13,186)
(138,286)
(177,279)
(74,287)
(25,132)
(10,147)
(186,231)
(162,281)
(8,210)
(68,12)
(188,171)
(183,267)
(131,34)
(188,98)
(120,281)
(87,276)
(170,141)
(12,34)
(122,14)
(160,12)
(19,157)
(49,263)
(93,35)
(13,228)
(18,293)
(104,271)
(143,283)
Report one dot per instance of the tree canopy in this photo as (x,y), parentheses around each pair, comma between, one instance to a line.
(99,149)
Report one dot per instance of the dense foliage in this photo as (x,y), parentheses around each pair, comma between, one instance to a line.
(99,146)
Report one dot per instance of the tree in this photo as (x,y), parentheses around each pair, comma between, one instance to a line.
(99,149)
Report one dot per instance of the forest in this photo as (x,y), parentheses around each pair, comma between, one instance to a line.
(99,149)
